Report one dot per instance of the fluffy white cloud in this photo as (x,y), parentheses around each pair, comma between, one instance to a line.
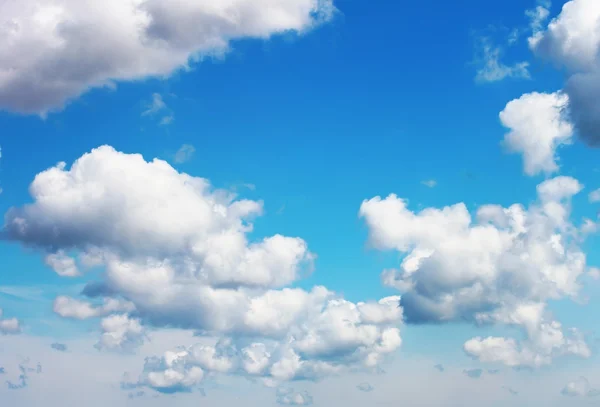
(500,268)
(9,325)
(120,332)
(62,264)
(176,253)
(74,45)
(572,41)
(580,388)
(68,307)
(538,126)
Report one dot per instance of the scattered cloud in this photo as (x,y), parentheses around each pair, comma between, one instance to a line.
(491,69)
(594,196)
(473,373)
(185,153)
(429,183)
(538,127)
(75,45)
(121,333)
(500,268)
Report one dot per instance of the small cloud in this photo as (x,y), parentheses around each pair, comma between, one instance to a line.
(594,196)
(439,367)
(429,183)
(165,121)
(580,388)
(288,397)
(473,373)
(493,70)
(157,105)
(61,347)
(510,390)
(366,387)
(184,153)
(594,273)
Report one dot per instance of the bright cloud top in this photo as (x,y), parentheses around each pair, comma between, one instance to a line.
(572,41)
(176,254)
(74,45)
(501,268)
(538,126)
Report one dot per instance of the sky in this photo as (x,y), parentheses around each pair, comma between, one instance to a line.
(299,202)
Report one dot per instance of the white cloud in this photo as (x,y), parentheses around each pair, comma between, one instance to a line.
(9,326)
(500,268)
(184,153)
(538,126)
(157,105)
(431,183)
(176,253)
(595,196)
(75,45)
(493,70)
(68,307)
(580,388)
(62,264)
(120,332)
(572,41)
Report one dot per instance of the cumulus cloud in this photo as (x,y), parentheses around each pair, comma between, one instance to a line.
(289,397)
(580,388)
(9,325)
(75,45)
(176,253)
(572,41)
(538,126)
(68,307)
(594,196)
(499,268)
(120,333)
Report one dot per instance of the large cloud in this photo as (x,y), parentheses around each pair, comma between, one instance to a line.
(500,268)
(176,252)
(73,45)
(572,41)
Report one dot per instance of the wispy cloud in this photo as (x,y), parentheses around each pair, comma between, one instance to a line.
(185,153)
(492,69)
(429,183)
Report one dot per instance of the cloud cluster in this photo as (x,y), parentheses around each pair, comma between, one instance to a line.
(289,397)
(9,325)
(572,42)
(500,268)
(74,45)
(176,252)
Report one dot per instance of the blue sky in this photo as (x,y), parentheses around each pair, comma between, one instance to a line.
(339,102)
